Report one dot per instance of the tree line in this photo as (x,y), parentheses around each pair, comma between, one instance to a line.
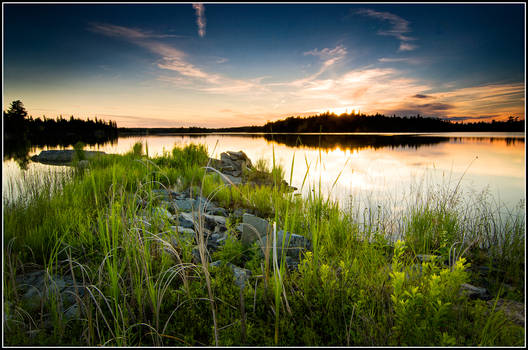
(348,123)
(330,122)
(21,132)
(63,131)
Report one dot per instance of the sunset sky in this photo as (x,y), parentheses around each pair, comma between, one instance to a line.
(222,65)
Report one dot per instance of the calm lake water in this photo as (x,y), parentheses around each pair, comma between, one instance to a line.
(370,169)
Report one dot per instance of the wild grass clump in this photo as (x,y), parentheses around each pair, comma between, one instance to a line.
(140,282)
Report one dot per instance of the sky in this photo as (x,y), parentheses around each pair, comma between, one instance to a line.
(226,65)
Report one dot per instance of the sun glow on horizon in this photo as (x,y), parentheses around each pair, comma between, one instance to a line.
(338,110)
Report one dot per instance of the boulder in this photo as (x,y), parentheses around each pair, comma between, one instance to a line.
(62,157)
(293,244)
(37,286)
(514,310)
(241,275)
(253,228)
(474,292)
(187,204)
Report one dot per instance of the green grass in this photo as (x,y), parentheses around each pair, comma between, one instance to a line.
(355,288)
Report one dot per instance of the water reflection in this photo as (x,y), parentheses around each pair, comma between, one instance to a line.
(380,167)
(20,150)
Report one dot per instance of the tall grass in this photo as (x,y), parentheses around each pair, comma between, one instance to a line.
(99,224)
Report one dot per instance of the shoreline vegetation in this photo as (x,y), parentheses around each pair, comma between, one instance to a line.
(185,250)
(348,123)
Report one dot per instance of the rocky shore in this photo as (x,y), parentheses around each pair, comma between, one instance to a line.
(192,219)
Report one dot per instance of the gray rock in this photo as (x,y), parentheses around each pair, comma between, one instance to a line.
(230,179)
(240,274)
(474,292)
(161,213)
(254,228)
(72,312)
(514,310)
(187,220)
(196,255)
(293,244)
(216,211)
(37,287)
(62,157)
(183,230)
(164,194)
(237,213)
(187,204)
(215,219)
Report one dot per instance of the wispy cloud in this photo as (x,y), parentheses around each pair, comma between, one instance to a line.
(370,89)
(200,18)
(399,27)
(175,60)
(329,56)
(475,102)
(421,96)
(130,33)
(408,60)
(406,47)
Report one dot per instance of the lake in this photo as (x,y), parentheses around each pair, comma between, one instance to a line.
(365,170)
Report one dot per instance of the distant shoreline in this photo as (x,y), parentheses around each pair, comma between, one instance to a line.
(347,123)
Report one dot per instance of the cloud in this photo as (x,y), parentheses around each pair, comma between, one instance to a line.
(435,106)
(399,27)
(329,56)
(474,102)
(421,96)
(175,60)
(130,33)
(200,18)
(406,47)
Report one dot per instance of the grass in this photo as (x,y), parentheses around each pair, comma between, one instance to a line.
(356,287)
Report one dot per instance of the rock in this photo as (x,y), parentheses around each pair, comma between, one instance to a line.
(62,157)
(293,243)
(237,213)
(36,286)
(253,228)
(216,211)
(241,275)
(196,255)
(187,204)
(165,194)
(230,179)
(215,219)
(186,220)
(474,292)
(72,312)
(183,231)
(513,310)
(162,214)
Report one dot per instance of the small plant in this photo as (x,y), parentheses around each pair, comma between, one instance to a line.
(424,305)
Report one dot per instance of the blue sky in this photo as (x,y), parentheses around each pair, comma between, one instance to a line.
(220,65)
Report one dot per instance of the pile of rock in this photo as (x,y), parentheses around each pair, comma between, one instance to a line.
(232,165)
(37,288)
(189,217)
